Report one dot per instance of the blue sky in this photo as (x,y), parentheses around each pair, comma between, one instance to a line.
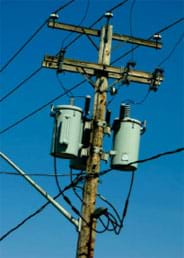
(154,224)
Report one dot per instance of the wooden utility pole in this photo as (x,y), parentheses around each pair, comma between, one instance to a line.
(103,70)
(87,234)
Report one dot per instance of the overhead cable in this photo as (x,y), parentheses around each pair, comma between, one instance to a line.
(158,32)
(75,182)
(80,23)
(21,83)
(32,36)
(95,22)
(102,173)
(41,108)
(172,50)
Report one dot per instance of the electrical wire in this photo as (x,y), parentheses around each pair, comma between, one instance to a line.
(37,174)
(21,83)
(80,23)
(95,22)
(62,86)
(172,50)
(73,188)
(41,108)
(104,172)
(35,72)
(158,32)
(125,209)
(157,156)
(32,37)
(131,24)
(37,211)
(78,179)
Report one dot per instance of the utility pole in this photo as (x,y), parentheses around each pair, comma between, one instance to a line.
(87,234)
(103,70)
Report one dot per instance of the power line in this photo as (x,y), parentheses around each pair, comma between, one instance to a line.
(172,50)
(62,86)
(78,179)
(80,23)
(158,32)
(75,182)
(32,37)
(37,70)
(41,108)
(9,173)
(156,156)
(21,83)
(95,22)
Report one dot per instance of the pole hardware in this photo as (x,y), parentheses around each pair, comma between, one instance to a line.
(126,131)
(99,212)
(126,72)
(60,60)
(157,37)
(157,76)
(53,17)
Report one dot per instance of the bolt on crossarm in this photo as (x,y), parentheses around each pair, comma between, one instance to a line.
(87,233)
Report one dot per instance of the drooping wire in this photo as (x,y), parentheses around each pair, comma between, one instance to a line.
(140,102)
(41,108)
(94,23)
(172,50)
(125,209)
(62,86)
(21,83)
(80,23)
(32,37)
(78,179)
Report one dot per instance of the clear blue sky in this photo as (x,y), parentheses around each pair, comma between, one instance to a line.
(154,226)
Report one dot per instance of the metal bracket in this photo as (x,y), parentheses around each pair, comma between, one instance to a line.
(88,125)
(84,152)
(156,78)
(97,150)
(112,153)
(101,123)
(105,156)
(107,130)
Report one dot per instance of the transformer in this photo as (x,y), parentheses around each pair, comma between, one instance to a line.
(67,133)
(126,140)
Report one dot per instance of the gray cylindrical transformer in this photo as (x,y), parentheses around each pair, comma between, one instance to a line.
(67,134)
(126,143)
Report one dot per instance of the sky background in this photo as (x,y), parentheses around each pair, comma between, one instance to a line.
(154,224)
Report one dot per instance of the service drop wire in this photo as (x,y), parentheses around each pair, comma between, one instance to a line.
(125,209)
(54,158)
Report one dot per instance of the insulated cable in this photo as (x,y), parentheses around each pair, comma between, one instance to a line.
(32,36)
